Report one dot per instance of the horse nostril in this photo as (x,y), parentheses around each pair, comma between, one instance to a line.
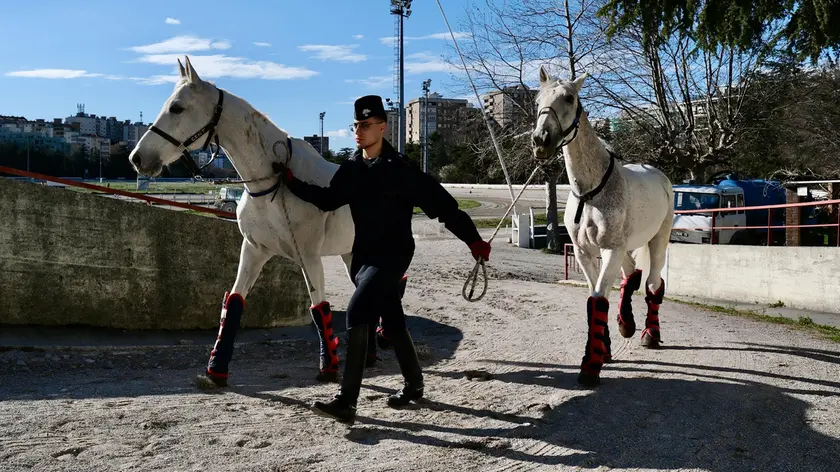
(538,140)
(136,159)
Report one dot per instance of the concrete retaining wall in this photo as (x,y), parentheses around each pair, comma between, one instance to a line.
(807,278)
(72,258)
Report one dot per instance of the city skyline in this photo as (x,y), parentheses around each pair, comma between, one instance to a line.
(291,62)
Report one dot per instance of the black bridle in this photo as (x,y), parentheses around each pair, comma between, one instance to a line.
(209,128)
(573,127)
(582,199)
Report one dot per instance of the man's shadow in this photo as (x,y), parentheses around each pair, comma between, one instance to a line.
(714,423)
(155,365)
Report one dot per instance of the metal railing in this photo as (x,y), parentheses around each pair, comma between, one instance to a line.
(770,227)
(98,188)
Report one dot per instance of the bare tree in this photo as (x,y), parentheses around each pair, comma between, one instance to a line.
(679,105)
(508,43)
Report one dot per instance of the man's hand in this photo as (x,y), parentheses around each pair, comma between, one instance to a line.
(480,248)
(284,172)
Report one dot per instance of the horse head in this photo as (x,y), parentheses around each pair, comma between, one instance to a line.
(559,114)
(186,122)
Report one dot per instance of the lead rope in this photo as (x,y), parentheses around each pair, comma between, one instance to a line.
(473,277)
(289,221)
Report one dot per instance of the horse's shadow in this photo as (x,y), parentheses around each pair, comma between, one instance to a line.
(139,363)
(713,423)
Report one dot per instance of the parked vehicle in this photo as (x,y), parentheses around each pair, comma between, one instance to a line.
(228,198)
(728,192)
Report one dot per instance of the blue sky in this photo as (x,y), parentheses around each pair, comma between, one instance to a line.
(290,59)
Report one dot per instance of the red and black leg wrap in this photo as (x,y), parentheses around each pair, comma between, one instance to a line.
(322,316)
(232,307)
(653,300)
(626,322)
(597,314)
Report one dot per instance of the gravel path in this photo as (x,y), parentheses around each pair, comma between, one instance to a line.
(724,394)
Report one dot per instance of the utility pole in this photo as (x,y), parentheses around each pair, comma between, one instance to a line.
(321,142)
(426,84)
(401,8)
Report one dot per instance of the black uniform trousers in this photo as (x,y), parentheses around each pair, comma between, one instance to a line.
(377,294)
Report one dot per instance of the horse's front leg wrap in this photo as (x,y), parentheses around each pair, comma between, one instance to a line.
(626,322)
(651,336)
(597,315)
(232,308)
(322,316)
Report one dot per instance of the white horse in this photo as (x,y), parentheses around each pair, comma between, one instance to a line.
(612,211)
(273,222)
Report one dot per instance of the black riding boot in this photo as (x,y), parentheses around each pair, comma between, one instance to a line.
(370,359)
(343,406)
(410,368)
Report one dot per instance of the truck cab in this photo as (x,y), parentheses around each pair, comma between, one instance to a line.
(695,228)
(228,198)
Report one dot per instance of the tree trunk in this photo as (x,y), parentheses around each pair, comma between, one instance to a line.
(551,209)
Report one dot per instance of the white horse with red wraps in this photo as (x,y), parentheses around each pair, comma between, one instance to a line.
(273,222)
(613,211)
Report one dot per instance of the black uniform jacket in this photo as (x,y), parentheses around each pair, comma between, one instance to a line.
(382,196)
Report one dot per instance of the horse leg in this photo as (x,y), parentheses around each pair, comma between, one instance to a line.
(322,316)
(655,287)
(597,316)
(631,281)
(251,261)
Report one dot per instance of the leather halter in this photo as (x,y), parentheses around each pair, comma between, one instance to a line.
(582,199)
(209,128)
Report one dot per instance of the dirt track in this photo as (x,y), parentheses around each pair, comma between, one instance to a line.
(725,394)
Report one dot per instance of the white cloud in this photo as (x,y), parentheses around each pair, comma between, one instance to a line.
(339,133)
(219,65)
(172,21)
(426,63)
(261,44)
(358,36)
(341,52)
(375,81)
(388,40)
(53,73)
(181,44)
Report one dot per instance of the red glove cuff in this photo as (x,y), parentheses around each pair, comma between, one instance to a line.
(480,248)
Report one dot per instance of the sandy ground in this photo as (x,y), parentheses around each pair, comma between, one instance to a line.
(724,394)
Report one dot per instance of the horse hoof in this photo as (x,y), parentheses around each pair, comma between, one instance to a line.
(627,330)
(649,341)
(327,377)
(206,382)
(588,380)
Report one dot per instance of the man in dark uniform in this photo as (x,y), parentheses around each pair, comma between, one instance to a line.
(382,189)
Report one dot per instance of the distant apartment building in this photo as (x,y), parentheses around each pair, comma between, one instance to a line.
(24,139)
(444,117)
(315,141)
(392,133)
(507,106)
(132,132)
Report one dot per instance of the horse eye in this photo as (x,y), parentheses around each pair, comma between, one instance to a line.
(175,108)
(570,99)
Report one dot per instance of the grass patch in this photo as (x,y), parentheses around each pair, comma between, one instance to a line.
(539,219)
(804,323)
(462,204)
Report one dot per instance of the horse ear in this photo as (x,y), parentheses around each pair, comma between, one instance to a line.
(192,75)
(579,81)
(544,77)
(181,68)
